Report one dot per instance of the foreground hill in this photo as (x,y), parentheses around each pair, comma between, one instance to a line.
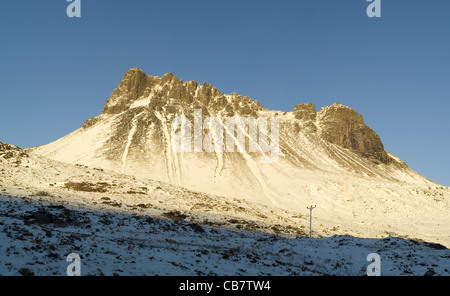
(38,236)
(416,212)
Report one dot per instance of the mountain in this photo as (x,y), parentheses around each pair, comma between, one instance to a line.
(133,133)
(328,157)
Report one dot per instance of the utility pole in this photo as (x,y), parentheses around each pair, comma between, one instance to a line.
(310,219)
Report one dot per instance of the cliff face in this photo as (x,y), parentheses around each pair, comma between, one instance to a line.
(345,127)
(169,91)
(134,135)
(338,124)
(305,111)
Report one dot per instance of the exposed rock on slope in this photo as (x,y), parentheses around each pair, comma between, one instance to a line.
(345,127)
(157,92)
(305,111)
(11,154)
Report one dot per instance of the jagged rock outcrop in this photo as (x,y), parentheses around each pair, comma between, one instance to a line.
(8,148)
(339,124)
(5,147)
(11,153)
(345,127)
(305,111)
(168,91)
(132,86)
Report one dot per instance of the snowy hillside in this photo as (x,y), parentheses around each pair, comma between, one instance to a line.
(37,237)
(370,210)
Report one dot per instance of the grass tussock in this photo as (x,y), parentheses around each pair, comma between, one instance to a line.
(87,186)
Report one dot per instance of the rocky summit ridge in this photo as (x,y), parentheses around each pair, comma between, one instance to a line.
(338,124)
(169,90)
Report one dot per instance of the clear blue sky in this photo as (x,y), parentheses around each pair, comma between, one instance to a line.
(57,72)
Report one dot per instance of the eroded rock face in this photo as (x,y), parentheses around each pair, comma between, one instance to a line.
(142,100)
(132,86)
(11,153)
(339,124)
(345,127)
(5,148)
(305,111)
(170,92)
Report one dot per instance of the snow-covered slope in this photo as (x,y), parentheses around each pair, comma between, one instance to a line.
(42,179)
(410,212)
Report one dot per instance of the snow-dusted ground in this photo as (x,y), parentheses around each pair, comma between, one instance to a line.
(36,237)
(370,209)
